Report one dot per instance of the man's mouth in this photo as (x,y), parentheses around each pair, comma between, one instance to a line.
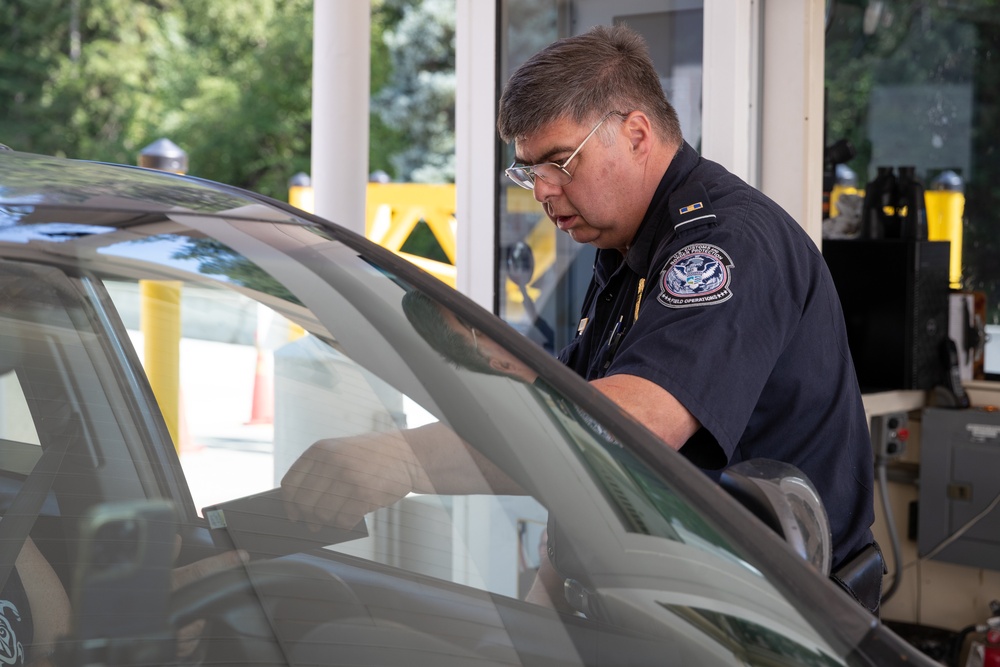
(563,222)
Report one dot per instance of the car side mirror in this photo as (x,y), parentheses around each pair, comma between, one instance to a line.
(784,498)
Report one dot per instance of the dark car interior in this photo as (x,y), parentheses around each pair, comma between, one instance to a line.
(90,485)
(97,484)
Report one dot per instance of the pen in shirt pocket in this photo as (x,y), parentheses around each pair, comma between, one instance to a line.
(614,340)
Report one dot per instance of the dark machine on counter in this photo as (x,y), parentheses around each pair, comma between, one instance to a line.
(894,285)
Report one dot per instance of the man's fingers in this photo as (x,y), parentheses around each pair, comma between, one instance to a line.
(337,481)
(189,637)
(200,569)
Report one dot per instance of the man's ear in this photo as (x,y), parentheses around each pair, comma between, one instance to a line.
(640,133)
(501,365)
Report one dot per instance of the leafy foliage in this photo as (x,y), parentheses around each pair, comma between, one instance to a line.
(214,258)
(229,82)
(419,96)
(102,79)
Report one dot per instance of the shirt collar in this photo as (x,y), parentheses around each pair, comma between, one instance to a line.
(656,223)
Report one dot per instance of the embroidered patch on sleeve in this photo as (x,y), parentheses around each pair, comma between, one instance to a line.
(697,275)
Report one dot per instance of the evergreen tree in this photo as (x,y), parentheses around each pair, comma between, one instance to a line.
(419,97)
(229,82)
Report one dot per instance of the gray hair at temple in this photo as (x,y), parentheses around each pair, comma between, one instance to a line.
(583,78)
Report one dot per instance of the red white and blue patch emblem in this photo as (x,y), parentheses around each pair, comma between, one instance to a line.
(696,275)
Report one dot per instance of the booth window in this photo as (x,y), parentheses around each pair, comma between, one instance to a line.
(917,85)
(543,275)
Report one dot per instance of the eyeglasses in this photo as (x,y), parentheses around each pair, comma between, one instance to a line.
(550,172)
(472,330)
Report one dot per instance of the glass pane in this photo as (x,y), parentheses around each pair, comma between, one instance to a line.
(916,85)
(226,384)
(401,469)
(15,419)
(543,274)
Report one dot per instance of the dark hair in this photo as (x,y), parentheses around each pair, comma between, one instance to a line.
(584,77)
(427,318)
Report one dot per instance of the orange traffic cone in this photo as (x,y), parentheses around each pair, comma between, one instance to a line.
(262,404)
(185,443)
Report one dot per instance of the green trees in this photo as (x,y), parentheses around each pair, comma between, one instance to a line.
(101,79)
(418,96)
(229,82)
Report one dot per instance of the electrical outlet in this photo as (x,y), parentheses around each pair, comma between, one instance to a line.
(889,435)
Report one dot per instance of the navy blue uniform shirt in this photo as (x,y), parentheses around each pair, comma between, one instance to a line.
(725,302)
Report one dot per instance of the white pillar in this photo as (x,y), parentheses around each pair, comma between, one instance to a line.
(341,89)
(731,94)
(475,146)
(792,135)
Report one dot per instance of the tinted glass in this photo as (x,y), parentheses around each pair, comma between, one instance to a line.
(911,84)
(542,274)
(180,367)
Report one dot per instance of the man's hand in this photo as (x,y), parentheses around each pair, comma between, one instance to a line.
(189,637)
(338,481)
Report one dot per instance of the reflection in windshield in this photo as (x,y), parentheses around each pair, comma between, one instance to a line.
(214,258)
(645,503)
(12,231)
(206,256)
(257,394)
(754,643)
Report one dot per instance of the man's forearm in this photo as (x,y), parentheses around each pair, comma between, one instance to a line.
(451,466)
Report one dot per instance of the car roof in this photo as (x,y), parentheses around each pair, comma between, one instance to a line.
(43,180)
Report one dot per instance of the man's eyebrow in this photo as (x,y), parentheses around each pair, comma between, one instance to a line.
(545,157)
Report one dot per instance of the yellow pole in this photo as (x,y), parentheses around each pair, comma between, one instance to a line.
(300,192)
(160,322)
(160,309)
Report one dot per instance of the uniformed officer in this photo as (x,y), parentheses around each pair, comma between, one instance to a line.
(711,316)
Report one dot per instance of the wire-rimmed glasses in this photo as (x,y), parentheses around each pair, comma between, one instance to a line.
(550,172)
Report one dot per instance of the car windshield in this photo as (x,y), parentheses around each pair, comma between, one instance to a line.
(215,357)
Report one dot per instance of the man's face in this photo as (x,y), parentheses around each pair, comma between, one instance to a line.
(496,355)
(601,205)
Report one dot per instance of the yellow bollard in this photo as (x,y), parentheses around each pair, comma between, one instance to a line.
(160,321)
(300,192)
(160,309)
(945,202)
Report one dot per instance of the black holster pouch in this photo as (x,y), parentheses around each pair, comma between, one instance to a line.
(861,577)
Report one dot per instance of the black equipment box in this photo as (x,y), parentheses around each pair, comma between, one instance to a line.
(894,294)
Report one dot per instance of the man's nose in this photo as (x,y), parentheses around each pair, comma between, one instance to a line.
(544,190)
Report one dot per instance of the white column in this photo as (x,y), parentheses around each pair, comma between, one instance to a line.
(341,75)
(731,91)
(792,135)
(475,145)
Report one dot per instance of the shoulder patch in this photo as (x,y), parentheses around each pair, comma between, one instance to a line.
(696,275)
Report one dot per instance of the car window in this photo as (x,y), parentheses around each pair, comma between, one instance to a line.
(256,389)
(15,419)
(224,407)
(193,373)
(20,448)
